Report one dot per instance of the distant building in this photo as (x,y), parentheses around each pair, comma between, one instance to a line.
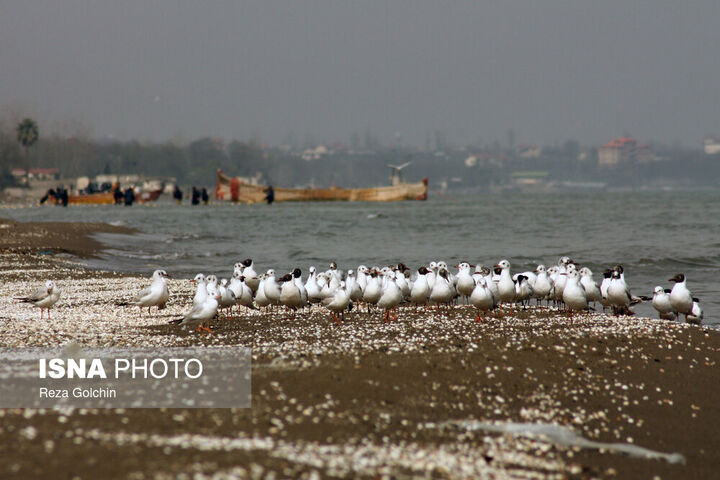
(529,178)
(44,173)
(528,151)
(315,153)
(41,174)
(643,154)
(711,145)
(618,150)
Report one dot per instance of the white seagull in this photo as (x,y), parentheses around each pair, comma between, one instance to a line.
(339,302)
(523,289)
(271,287)
(591,287)
(156,295)
(290,294)
(311,286)
(391,296)
(420,290)
(201,314)
(661,303)
(44,297)
(373,290)
(607,278)
(680,297)
(506,286)
(482,298)
(353,287)
(696,314)
(227,296)
(465,281)
(442,291)
(574,295)
(542,286)
(261,300)
(251,277)
(200,290)
(618,293)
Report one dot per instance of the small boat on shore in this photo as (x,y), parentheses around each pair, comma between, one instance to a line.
(149,196)
(235,190)
(108,198)
(99,198)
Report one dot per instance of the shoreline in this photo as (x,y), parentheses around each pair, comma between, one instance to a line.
(72,238)
(368,398)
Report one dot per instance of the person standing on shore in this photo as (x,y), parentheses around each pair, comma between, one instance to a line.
(177,194)
(64,197)
(195,198)
(129,197)
(118,194)
(269,194)
(204,196)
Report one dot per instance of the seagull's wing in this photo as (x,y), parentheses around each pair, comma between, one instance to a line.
(399,167)
(192,314)
(143,293)
(40,294)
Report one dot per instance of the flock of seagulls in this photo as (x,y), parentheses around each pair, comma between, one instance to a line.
(384,289)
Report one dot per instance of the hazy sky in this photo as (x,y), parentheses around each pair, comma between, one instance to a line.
(550,69)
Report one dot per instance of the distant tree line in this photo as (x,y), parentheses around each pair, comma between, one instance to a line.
(195,163)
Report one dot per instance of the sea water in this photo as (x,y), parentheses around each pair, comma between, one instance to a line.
(654,235)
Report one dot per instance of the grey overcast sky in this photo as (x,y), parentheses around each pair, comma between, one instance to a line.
(549,69)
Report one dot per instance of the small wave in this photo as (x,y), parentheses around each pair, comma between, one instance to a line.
(298,253)
(560,435)
(702,262)
(143,255)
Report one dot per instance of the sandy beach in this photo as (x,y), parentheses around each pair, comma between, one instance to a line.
(428,395)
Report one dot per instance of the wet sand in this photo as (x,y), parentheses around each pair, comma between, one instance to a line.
(47,238)
(373,399)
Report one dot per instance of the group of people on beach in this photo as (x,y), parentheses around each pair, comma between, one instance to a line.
(126,197)
(61,196)
(58,195)
(197,195)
